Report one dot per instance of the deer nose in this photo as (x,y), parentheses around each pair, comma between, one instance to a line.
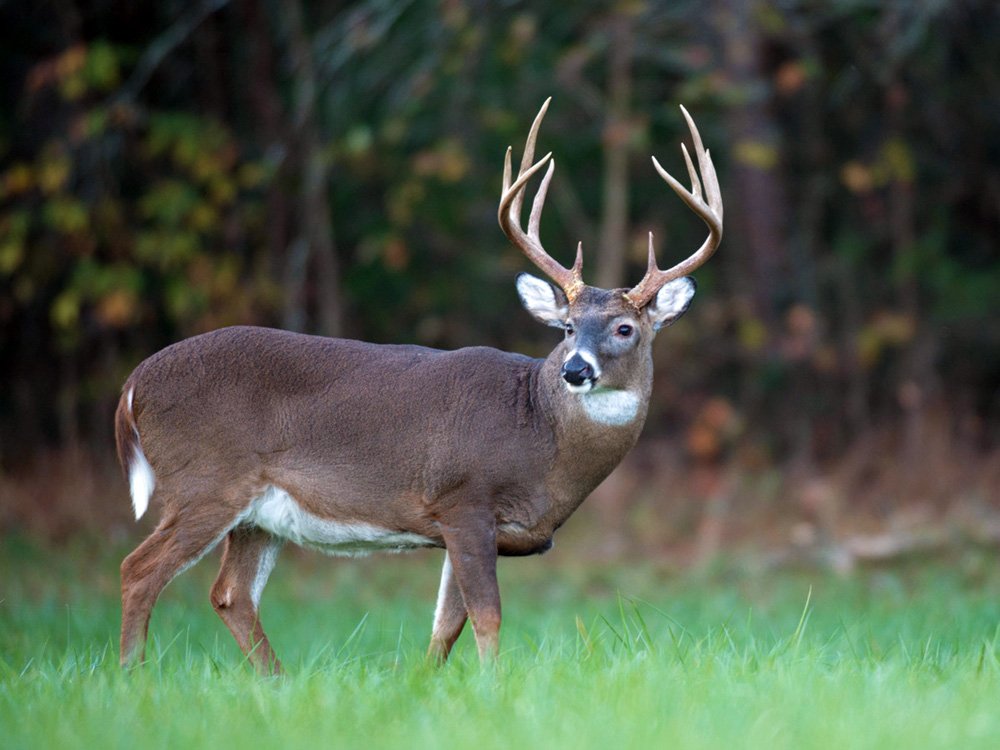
(576,370)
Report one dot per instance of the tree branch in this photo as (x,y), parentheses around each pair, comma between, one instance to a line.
(163,45)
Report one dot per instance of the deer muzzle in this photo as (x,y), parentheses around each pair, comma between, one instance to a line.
(578,372)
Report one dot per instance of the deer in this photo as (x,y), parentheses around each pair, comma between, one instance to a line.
(257,437)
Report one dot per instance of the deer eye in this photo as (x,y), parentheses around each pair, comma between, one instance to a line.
(624,331)
(569,329)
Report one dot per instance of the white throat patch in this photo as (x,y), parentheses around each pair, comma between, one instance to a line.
(609,406)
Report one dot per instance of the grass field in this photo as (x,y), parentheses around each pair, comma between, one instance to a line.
(592,657)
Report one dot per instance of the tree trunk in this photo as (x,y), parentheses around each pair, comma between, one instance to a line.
(759,209)
(315,239)
(612,250)
(271,130)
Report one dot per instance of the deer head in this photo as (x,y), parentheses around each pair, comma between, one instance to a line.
(606,330)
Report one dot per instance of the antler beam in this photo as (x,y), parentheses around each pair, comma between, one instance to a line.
(710,213)
(509,214)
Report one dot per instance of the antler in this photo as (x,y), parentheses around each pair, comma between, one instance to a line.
(711,214)
(570,280)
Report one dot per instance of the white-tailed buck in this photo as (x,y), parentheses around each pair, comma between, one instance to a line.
(258,436)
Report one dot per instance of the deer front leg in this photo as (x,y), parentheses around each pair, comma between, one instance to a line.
(449,615)
(472,557)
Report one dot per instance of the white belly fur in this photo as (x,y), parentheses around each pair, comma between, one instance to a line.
(278,513)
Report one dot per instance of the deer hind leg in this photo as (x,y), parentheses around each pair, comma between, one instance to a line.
(246,564)
(449,616)
(177,543)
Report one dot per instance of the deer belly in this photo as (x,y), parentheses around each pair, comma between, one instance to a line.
(279,514)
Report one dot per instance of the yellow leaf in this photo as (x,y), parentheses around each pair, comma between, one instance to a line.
(226,281)
(856,177)
(65,310)
(752,334)
(73,87)
(757,154)
(899,160)
(204,218)
(66,215)
(71,61)
(447,160)
(11,255)
(896,329)
(223,191)
(251,175)
(869,346)
(18,179)
(53,173)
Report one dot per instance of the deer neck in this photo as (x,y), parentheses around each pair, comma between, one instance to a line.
(593,431)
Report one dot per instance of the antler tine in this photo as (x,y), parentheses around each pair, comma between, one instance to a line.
(712,191)
(529,154)
(506,172)
(692,172)
(535,218)
(710,213)
(509,213)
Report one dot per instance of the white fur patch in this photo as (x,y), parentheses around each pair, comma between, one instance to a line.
(512,528)
(671,302)
(446,574)
(141,480)
(611,407)
(264,567)
(278,513)
(539,298)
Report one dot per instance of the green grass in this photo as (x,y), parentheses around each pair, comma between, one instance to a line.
(592,657)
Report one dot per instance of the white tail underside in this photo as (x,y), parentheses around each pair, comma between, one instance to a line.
(141,479)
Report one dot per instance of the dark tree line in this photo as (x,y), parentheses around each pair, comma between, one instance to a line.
(169,168)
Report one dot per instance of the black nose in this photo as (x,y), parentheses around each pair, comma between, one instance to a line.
(576,371)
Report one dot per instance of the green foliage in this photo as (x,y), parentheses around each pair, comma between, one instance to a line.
(153,187)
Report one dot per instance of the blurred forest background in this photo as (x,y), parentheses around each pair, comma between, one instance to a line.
(169,168)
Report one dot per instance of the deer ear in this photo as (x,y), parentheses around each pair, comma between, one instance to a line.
(671,302)
(546,303)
